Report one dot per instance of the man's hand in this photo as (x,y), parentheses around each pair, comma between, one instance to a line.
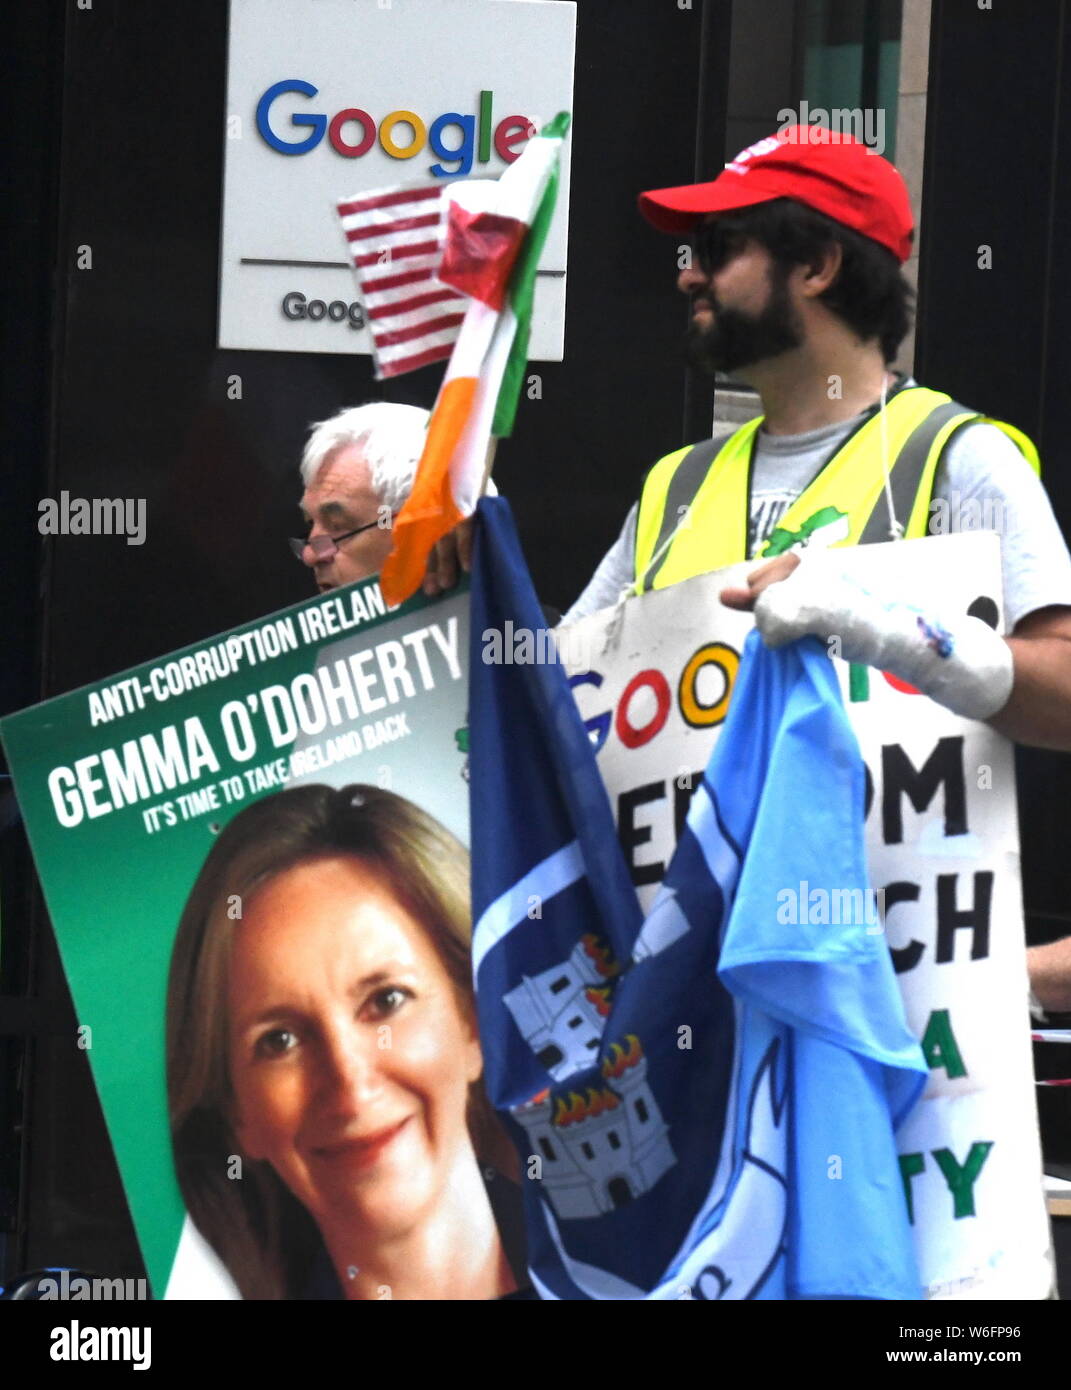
(1050,975)
(772,572)
(959,662)
(449,557)
(1033,708)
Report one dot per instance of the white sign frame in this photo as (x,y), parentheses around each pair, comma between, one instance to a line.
(286,282)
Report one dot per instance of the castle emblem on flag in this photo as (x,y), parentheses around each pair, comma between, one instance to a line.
(602,1149)
(561,1011)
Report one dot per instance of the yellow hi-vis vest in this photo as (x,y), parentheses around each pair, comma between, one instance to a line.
(707,487)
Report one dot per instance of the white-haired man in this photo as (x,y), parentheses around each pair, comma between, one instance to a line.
(357,469)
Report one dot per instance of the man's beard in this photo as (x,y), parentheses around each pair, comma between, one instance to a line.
(734,339)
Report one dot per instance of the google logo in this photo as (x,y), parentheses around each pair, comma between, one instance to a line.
(692,685)
(352,132)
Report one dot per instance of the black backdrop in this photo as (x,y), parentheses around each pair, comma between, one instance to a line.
(113,387)
(998,174)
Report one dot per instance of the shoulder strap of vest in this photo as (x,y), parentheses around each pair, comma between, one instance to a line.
(906,472)
(1023,442)
(683,487)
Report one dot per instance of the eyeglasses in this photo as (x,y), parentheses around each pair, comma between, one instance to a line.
(716,243)
(323,547)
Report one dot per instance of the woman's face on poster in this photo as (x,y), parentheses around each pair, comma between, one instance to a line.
(350,1055)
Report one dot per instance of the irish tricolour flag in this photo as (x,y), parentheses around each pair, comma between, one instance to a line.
(494,237)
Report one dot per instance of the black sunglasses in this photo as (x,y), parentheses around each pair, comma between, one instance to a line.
(716,243)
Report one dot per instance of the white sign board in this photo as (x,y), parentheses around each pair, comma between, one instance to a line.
(329,98)
(653,685)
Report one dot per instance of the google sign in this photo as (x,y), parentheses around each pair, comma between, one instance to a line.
(455,139)
(329,99)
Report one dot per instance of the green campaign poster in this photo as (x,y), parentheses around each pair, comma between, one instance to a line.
(126,785)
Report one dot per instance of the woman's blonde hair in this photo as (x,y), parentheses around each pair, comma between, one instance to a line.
(262,1234)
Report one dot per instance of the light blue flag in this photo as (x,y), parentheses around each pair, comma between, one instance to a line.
(704,1101)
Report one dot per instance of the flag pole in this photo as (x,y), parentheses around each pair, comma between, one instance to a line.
(489,463)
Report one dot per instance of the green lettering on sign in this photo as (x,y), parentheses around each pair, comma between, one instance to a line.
(940,1047)
(911,1165)
(858,683)
(961,1180)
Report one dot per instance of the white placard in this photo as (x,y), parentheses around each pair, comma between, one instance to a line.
(317,92)
(943,845)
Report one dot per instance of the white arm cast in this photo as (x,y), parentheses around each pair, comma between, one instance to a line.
(959,662)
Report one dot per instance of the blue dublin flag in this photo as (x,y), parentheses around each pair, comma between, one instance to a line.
(704,1100)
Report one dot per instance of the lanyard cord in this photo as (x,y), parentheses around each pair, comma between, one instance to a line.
(896,530)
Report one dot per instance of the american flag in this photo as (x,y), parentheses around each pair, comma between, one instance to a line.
(395,238)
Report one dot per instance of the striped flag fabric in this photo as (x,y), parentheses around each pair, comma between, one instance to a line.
(678,1087)
(395,241)
(492,249)
(480,244)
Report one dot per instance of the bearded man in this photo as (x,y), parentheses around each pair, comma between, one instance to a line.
(797,291)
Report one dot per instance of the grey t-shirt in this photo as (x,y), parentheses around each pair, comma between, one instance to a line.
(982,483)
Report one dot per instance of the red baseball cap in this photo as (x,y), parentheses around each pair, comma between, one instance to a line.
(830,172)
